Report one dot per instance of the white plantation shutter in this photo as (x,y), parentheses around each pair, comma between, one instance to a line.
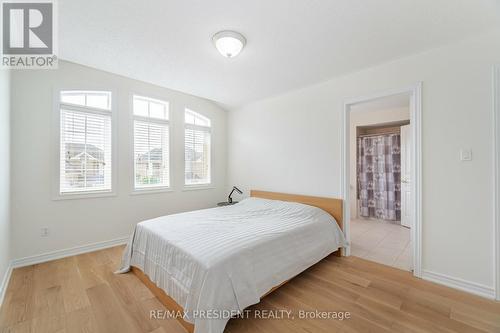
(197,149)
(85,143)
(151,143)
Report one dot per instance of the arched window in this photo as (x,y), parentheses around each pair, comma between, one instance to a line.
(197,149)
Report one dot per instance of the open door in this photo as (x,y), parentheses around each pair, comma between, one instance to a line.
(406,181)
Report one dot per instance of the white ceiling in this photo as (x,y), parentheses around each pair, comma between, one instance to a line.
(291,43)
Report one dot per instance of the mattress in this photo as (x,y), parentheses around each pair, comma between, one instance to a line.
(222,260)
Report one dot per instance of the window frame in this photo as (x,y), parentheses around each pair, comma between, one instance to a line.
(133,117)
(209,185)
(56,143)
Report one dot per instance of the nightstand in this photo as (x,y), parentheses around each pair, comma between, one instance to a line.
(225,203)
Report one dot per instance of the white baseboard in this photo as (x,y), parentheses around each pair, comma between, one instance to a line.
(5,283)
(39,258)
(457,283)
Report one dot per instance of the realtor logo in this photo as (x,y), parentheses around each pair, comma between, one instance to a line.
(28,35)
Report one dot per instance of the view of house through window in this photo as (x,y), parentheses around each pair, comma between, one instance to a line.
(197,151)
(85,141)
(151,143)
(86,151)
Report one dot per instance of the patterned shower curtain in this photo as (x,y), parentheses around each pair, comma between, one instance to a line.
(379,177)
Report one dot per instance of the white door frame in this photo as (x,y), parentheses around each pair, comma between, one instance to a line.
(405,156)
(496,176)
(415,93)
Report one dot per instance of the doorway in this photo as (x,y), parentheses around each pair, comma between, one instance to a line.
(381,178)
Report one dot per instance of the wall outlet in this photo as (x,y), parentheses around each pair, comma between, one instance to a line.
(465,154)
(44,232)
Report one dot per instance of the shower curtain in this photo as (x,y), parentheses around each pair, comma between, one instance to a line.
(379,177)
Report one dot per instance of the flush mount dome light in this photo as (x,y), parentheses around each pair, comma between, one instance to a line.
(229,43)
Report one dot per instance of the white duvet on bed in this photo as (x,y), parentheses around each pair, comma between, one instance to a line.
(226,258)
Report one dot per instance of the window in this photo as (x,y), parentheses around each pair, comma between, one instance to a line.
(91,99)
(85,141)
(197,151)
(151,143)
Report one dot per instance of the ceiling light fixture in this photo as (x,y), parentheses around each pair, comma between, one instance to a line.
(229,43)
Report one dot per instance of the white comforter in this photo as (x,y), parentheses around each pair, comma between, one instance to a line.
(226,258)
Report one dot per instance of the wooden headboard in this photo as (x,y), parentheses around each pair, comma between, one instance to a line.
(332,206)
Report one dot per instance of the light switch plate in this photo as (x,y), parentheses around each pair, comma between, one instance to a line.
(466,154)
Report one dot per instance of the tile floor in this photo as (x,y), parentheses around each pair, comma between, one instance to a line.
(382,242)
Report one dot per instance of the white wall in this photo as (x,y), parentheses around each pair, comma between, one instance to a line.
(4,173)
(292,143)
(365,118)
(84,221)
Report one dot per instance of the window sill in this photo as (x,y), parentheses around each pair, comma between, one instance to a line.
(198,187)
(83,195)
(151,190)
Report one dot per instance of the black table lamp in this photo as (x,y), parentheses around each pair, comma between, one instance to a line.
(229,199)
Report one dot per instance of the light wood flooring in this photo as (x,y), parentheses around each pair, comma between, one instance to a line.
(81,294)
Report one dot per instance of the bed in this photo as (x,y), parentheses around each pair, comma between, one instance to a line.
(213,263)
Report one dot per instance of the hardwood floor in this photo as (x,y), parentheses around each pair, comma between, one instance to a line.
(81,294)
